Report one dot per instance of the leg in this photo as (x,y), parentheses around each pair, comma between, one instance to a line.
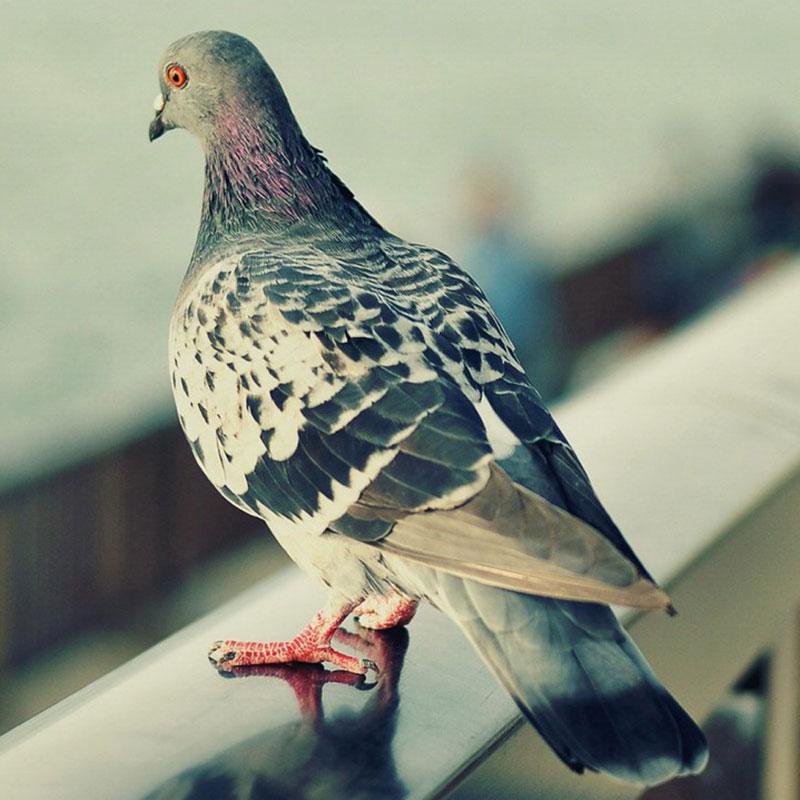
(382,611)
(311,645)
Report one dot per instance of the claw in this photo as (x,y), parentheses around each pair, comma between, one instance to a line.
(310,646)
(370,666)
(218,654)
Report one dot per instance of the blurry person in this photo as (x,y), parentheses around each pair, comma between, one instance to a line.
(514,275)
(775,198)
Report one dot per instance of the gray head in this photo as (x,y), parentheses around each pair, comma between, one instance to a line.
(209,78)
(261,173)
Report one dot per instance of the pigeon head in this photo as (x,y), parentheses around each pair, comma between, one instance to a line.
(261,173)
(211,79)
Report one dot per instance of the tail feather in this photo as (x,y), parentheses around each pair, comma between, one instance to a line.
(580,680)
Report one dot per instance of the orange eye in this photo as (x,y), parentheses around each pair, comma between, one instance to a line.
(176,76)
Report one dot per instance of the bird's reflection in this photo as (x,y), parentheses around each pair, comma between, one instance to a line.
(343,754)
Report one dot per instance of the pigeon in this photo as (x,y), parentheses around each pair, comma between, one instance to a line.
(357,393)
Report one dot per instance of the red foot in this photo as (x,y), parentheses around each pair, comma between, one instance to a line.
(311,646)
(382,611)
(385,648)
(229,653)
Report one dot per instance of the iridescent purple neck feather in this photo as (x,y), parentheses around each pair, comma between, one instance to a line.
(262,176)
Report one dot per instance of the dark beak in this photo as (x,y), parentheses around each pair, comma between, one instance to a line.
(156,127)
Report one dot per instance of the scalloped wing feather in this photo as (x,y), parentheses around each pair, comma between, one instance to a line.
(510,537)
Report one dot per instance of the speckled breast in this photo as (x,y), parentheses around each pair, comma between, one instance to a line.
(238,370)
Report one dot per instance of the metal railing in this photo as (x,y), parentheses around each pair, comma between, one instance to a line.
(695,449)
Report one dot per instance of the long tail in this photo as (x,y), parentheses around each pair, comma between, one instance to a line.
(580,680)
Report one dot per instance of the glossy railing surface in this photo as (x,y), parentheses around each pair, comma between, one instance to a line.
(695,449)
(168,725)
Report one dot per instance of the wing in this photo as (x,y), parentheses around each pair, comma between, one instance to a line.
(545,463)
(301,382)
(356,386)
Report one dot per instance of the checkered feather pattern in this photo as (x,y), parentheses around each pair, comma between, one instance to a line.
(358,394)
(314,386)
(301,378)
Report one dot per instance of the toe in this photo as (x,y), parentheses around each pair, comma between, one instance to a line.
(220,653)
(216,651)
(340,660)
(370,668)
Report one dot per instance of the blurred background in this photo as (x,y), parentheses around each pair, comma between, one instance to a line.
(606,171)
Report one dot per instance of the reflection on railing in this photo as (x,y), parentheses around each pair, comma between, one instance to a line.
(695,451)
(348,755)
